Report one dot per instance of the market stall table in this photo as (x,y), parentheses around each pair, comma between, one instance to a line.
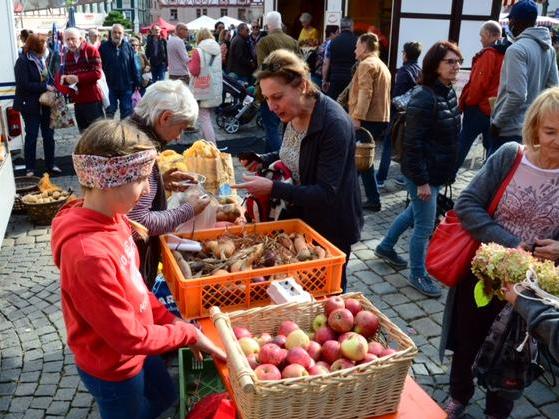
(415,402)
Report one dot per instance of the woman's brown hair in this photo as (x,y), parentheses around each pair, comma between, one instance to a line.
(371,42)
(429,72)
(36,44)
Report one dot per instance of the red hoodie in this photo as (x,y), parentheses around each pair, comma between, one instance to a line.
(113,322)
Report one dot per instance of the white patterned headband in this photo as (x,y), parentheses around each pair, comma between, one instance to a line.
(99,172)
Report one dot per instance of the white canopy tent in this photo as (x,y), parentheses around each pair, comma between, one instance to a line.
(228,21)
(201,22)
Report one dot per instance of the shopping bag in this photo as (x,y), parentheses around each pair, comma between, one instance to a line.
(136,97)
(452,247)
(217,170)
(60,115)
(104,88)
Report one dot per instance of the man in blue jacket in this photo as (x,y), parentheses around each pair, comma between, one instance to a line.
(119,66)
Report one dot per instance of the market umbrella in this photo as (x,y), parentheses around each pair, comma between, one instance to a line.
(165,26)
(201,22)
(541,21)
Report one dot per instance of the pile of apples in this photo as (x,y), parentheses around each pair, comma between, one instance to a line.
(341,338)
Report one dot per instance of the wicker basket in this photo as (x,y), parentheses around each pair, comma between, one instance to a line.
(365,152)
(368,389)
(24,186)
(42,214)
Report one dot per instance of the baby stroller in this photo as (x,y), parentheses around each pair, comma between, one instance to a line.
(238,107)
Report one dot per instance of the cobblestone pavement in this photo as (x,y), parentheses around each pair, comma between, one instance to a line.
(38,378)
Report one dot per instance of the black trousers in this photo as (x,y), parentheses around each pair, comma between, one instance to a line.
(337,87)
(470,325)
(87,113)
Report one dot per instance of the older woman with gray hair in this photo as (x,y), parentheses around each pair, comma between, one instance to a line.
(166,110)
(309,35)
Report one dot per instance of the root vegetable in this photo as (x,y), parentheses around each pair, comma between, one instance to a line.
(226,248)
(320,252)
(228,212)
(183,265)
(303,252)
(286,242)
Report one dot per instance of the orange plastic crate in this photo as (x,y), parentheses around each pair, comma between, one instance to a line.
(195,297)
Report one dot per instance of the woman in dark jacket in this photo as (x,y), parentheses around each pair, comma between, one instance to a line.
(318,148)
(32,79)
(430,151)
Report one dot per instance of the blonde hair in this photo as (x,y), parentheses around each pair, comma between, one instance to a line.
(371,42)
(546,103)
(289,67)
(203,33)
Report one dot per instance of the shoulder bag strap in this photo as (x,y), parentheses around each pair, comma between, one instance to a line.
(501,191)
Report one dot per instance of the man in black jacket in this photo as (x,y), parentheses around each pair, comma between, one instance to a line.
(240,60)
(119,66)
(156,51)
(339,59)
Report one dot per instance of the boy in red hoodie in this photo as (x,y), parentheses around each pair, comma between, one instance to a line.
(115,326)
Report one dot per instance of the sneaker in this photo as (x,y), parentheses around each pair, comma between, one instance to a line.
(425,285)
(371,206)
(391,257)
(380,185)
(55,169)
(454,409)
(30,173)
(399,181)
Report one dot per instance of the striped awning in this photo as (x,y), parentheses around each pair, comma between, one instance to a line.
(511,2)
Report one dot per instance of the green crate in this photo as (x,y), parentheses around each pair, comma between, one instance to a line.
(194,385)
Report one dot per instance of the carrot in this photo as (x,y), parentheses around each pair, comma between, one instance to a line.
(303,252)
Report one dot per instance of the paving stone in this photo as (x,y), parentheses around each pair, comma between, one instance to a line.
(45,390)
(53,356)
(33,355)
(34,414)
(50,378)
(25,240)
(540,394)
(409,311)
(398,280)
(82,400)
(432,306)
(69,382)
(7,389)
(380,267)
(20,404)
(41,402)
(383,288)
(426,327)
(395,299)
(8,376)
(419,369)
(25,389)
(36,365)
(59,408)
(524,410)
(369,277)
(76,413)
(5,403)
(54,366)
(365,254)
(356,265)
(65,394)
(14,362)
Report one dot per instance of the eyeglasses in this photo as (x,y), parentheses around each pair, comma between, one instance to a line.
(452,61)
(135,45)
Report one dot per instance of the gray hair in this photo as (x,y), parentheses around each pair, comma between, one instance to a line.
(346,23)
(93,32)
(74,31)
(168,95)
(492,27)
(273,20)
(118,26)
(305,18)
(242,26)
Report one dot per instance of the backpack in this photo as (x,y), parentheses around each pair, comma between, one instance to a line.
(506,362)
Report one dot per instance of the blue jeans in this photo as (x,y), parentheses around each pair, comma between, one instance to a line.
(157,72)
(144,396)
(495,143)
(475,122)
(386,156)
(368,177)
(32,125)
(272,126)
(421,216)
(123,99)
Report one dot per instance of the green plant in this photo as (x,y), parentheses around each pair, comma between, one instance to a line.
(117,17)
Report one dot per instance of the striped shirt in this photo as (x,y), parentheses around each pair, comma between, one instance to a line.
(163,221)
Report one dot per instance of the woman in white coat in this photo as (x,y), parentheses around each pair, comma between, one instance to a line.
(206,81)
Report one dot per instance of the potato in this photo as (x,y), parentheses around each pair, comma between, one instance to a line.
(44,194)
(57,194)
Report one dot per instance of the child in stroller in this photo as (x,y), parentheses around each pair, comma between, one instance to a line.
(238,107)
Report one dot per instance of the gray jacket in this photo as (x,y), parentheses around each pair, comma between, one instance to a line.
(529,67)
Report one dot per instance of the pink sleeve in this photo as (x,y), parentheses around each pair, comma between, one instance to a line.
(194,64)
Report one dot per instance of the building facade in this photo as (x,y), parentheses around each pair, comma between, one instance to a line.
(187,10)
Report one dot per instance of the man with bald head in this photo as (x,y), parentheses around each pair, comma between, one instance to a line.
(483,84)
(177,56)
(119,66)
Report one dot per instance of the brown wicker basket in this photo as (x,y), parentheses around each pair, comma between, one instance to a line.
(24,186)
(42,214)
(365,152)
(368,389)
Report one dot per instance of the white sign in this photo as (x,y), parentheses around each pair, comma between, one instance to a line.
(332,18)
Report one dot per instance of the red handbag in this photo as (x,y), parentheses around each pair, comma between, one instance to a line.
(452,247)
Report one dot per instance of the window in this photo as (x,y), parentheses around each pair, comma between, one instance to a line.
(174,14)
(205,12)
(198,13)
(242,14)
(223,12)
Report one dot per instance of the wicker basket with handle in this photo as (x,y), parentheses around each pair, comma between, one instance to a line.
(24,185)
(368,389)
(365,152)
(43,213)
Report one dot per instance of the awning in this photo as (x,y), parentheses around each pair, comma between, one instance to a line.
(511,2)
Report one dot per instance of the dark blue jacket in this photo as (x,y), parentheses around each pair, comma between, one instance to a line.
(28,86)
(342,56)
(431,135)
(406,78)
(328,198)
(119,66)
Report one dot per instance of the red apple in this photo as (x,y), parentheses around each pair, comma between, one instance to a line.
(388,351)
(323,334)
(264,338)
(299,356)
(294,371)
(331,350)
(272,354)
(319,321)
(318,370)
(345,335)
(366,324)
(253,360)
(355,347)
(286,327)
(333,303)
(341,364)
(297,338)
(314,349)
(267,372)
(375,348)
(323,364)
(241,332)
(279,340)
(341,320)
(368,358)
(249,346)
(353,305)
